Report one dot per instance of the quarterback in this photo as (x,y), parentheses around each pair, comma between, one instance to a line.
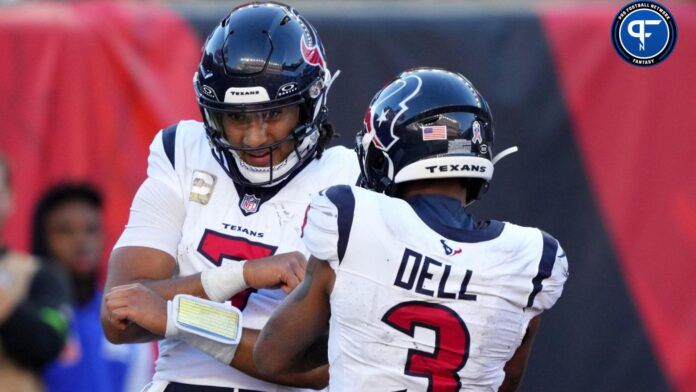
(419,296)
(220,213)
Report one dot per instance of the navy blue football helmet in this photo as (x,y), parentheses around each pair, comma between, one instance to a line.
(427,123)
(264,56)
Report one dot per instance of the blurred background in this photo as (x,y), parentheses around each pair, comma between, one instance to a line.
(607,164)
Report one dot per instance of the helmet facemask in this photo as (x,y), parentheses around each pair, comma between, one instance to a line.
(304,137)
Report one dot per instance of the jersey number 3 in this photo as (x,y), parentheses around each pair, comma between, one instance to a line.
(451,342)
(217,246)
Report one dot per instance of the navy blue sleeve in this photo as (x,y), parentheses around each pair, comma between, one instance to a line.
(344,200)
(169,142)
(548,258)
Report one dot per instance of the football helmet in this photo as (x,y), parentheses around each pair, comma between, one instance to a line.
(263,57)
(427,123)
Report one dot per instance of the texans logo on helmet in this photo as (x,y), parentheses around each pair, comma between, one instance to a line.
(312,56)
(383,131)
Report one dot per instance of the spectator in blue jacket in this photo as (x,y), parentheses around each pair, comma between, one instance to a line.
(68,231)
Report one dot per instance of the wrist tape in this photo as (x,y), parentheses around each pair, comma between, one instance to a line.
(222,282)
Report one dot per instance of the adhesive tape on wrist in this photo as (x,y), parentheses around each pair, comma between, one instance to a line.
(221,283)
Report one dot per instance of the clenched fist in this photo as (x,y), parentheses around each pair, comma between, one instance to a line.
(284,271)
(137,304)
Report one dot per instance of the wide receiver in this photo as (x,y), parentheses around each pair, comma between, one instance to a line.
(220,213)
(418,295)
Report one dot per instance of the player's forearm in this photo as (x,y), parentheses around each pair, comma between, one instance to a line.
(168,288)
(134,264)
(515,367)
(133,333)
(510,384)
(290,343)
(165,288)
(316,377)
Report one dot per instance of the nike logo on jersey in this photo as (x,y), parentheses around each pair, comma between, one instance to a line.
(448,250)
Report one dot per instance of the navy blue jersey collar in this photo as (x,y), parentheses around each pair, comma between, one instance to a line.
(447,216)
(266,193)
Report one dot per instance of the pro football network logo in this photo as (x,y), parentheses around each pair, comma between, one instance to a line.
(644,33)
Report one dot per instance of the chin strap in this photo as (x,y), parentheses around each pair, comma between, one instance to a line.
(504,153)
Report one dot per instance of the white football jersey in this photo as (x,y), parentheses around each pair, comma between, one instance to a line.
(190,208)
(421,306)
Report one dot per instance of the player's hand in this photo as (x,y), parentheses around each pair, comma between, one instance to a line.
(284,271)
(135,303)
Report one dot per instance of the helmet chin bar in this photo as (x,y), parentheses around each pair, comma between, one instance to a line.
(272,174)
(269,175)
(305,136)
(265,176)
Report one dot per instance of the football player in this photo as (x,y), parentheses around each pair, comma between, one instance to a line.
(418,294)
(219,215)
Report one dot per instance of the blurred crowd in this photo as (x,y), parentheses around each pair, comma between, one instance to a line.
(50,335)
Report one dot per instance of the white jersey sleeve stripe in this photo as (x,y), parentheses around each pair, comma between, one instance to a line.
(548,258)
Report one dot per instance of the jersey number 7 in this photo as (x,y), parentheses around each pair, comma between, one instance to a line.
(451,342)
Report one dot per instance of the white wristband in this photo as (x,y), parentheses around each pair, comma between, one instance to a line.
(221,283)
(211,327)
(172,331)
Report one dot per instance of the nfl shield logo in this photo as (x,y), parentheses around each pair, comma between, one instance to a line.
(249,204)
